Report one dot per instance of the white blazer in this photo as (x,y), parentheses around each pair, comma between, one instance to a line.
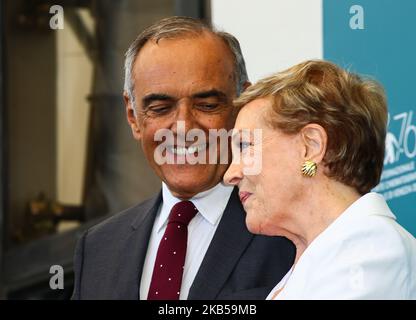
(363,254)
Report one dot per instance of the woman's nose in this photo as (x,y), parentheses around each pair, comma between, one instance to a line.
(233,175)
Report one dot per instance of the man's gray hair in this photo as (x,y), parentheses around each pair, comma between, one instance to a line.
(176,27)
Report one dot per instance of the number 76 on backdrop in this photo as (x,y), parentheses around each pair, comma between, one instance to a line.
(404,142)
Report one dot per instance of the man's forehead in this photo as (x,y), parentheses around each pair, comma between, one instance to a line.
(168,83)
(179,66)
(187,48)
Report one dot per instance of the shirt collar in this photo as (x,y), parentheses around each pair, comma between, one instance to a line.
(210,204)
(370,204)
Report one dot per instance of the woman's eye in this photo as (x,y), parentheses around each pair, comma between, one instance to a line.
(244,145)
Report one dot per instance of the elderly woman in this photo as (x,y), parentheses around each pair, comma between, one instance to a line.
(322,148)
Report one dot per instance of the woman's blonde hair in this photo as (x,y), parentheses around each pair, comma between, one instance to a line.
(352,109)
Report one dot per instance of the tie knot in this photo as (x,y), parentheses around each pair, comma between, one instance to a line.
(182,212)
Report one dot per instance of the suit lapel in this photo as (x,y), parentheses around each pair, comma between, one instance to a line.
(229,242)
(141,231)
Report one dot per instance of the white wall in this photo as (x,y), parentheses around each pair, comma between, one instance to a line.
(274,34)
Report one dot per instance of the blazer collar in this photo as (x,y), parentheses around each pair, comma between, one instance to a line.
(141,230)
(149,208)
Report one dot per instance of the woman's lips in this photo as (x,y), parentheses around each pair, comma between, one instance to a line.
(244,196)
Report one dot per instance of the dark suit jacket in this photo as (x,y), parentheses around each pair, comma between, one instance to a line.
(238,265)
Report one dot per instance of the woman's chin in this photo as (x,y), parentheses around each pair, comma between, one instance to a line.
(257,228)
(253,226)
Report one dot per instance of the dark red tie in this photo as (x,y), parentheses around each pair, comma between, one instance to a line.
(170,260)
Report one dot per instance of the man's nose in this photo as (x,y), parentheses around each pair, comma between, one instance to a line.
(233,175)
(184,118)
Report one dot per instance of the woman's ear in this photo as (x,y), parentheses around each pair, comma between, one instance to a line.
(315,140)
(131,117)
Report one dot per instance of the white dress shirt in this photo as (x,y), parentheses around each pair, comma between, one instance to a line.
(211,205)
(363,254)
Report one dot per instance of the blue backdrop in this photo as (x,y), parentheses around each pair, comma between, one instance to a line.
(378,38)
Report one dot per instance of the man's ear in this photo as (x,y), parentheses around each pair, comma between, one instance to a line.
(315,141)
(131,116)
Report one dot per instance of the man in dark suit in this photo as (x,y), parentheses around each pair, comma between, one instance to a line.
(181,76)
